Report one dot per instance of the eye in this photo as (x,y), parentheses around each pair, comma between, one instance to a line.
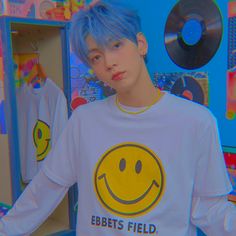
(95,59)
(138,167)
(122,164)
(117,44)
(40,133)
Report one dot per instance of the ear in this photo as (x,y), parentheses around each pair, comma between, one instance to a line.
(142,44)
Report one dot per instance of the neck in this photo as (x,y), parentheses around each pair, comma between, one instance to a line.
(142,94)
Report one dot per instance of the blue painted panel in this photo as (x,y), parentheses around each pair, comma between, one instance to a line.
(10,109)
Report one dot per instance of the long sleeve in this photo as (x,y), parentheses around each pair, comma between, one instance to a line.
(34,205)
(215,216)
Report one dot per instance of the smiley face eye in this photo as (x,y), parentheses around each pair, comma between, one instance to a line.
(39,133)
(138,167)
(122,164)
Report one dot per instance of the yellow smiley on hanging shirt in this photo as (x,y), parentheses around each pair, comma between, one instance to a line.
(41,137)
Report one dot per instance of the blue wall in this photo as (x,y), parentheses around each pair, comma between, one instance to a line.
(154,15)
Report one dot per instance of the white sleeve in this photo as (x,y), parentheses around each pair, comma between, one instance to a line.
(215,216)
(211,177)
(62,161)
(34,205)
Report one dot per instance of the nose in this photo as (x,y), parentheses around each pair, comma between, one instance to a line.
(110,59)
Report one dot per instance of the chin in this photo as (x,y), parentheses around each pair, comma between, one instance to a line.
(124,86)
(125,89)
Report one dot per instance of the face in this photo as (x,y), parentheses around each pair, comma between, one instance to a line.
(120,64)
(129,180)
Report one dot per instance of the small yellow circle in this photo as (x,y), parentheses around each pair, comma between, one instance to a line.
(230,115)
(41,137)
(129,180)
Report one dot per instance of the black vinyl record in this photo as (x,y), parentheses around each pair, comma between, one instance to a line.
(193,32)
(188,88)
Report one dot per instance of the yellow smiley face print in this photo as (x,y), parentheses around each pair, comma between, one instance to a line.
(129,180)
(41,137)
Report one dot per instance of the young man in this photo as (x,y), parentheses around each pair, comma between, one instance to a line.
(146,162)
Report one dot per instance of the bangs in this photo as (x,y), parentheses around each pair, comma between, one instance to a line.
(105,23)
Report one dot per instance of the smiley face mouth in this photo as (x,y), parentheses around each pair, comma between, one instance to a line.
(154,183)
(45,149)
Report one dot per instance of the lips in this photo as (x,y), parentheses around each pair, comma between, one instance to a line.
(118,76)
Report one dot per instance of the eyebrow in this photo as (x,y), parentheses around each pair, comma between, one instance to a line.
(93,50)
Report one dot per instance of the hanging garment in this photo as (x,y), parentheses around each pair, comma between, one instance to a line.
(42,114)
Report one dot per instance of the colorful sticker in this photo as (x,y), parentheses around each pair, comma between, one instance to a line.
(192,85)
(231,95)
(232,176)
(25,66)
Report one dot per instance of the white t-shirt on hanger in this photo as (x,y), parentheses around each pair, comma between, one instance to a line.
(42,114)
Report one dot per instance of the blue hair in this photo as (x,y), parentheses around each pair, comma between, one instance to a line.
(105,22)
